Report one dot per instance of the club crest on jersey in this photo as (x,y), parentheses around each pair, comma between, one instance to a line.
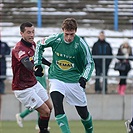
(30,58)
(64,64)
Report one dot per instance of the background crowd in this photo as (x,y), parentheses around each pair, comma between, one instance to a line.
(103,48)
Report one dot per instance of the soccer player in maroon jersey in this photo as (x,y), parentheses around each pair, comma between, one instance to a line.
(24,85)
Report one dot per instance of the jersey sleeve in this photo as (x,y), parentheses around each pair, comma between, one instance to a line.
(38,52)
(41,45)
(87,60)
(19,53)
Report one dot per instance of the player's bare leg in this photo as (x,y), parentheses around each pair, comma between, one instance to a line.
(43,120)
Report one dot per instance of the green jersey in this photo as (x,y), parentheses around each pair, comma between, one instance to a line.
(70,60)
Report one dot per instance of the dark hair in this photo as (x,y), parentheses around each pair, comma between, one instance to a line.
(69,24)
(25,24)
(102,32)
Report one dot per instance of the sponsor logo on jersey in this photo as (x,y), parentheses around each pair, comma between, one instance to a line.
(64,64)
(64,55)
(20,53)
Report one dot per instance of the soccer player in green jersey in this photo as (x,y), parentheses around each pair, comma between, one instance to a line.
(72,66)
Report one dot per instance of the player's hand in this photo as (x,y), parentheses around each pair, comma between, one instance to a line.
(82,82)
(38,71)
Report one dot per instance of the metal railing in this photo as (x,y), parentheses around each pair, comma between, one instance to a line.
(9,75)
(103,69)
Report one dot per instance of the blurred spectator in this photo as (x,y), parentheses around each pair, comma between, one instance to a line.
(101,48)
(124,50)
(4,50)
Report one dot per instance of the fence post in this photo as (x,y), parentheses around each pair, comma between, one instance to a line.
(116,15)
(103,63)
(123,107)
(39,16)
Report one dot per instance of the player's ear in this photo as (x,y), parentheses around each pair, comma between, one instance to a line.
(62,29)
(21,33)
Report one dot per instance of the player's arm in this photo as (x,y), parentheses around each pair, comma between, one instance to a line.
(38,70)
(41,45)
(87,59)
(27,63)
(87,62)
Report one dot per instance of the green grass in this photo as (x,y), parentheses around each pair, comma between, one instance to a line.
(100,126)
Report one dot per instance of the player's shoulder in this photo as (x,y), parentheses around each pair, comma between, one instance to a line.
(82,41)
(54,38)
(19,46)
(57,35)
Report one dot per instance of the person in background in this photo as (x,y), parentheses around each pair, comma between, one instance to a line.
(124,50)
(22,115)
(71,67)
(24,84)
(101,48)
(4,50)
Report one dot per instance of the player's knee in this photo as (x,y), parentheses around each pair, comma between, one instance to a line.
(50,107)
(83,112)
(45,112)
(49,104)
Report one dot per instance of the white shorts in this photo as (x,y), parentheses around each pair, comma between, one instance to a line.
(73,92)
(32,97)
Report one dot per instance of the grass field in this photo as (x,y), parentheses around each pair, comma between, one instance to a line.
(100,126)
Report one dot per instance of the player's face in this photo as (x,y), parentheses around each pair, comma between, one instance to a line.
(28,34)
(69,35)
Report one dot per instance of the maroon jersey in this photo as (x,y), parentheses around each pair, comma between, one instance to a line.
(22,77)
